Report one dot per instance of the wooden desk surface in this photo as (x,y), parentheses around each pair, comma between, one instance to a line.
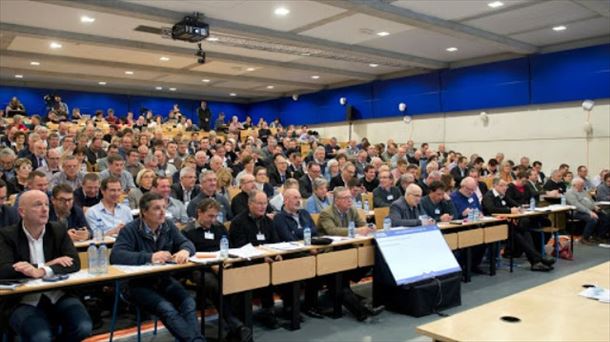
(114,273)
(546,211)
(550,312)
(108,240)
(478,223)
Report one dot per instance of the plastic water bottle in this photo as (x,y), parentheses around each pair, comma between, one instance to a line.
(475,214)
(92,258)
(351,229)
(224,247)
(102,255)
(366,206)
(387,223)
(220,217)
(98,231)
(359,204)
(563,199)
(471,215)
(307,236)
(532,204)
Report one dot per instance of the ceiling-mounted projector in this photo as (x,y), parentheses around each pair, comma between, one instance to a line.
(190,29)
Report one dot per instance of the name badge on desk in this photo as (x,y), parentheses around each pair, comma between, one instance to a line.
(470,200)
(208,236)
(503,202)
(260,237)
(437,211)
(390,197)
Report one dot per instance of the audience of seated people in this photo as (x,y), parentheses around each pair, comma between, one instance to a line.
(94,172)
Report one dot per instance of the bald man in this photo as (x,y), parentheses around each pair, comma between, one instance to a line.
(465,198)
(35,248)
(406,211)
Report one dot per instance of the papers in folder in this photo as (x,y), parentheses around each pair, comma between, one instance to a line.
(246,252)
(599,293)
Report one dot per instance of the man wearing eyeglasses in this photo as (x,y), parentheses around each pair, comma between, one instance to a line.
(64,211)
(407,211)
(70,174)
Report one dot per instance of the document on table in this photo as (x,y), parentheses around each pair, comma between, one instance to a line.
(246,252)
(285,246)
(82,274)
(599,293)
(137,268)
(205,257)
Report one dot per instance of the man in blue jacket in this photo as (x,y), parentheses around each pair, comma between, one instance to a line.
(152,239)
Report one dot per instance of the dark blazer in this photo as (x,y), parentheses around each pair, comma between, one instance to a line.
(178,193)
(288,229)
(244,229)
(295,172)
(384,198)
(191,209)
(196,234)
(457,175)
(8,216)
(403,216)
(519,197)
(483,188)
(275,179)
(496,205)
(14,248)
(335,182)
(35,164)
(305,186)
(75,220)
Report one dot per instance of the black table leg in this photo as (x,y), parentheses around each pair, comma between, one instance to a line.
(295,314)
(219,309)
(247,309)
(468,265)
(512,246)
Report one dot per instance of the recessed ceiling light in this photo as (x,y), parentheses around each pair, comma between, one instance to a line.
(495,4)
(205,80)
(306,54)
(164,59)
(212,39)
(452,49)
(232,94)
(55,45)
(101,83)
(128,72)
(559,28)
(270,87)
(172,89)
(373,65)
(315,77)
(34,63)
(383,34)
(159,88)
(18,76)
(86,19)
(250,69)
(281,11)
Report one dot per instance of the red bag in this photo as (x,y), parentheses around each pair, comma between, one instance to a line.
(565,252)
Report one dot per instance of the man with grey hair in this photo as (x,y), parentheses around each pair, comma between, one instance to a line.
(7,163)
(401,154)
(208,183)
(186,190)
(404,181)
(386,193)
(347,172)
(335,219)
(70,173)
(239,203)
(319,199)
(407,211)
(596,221)
(424,184)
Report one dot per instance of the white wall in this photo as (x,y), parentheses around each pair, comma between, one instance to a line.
(553,134)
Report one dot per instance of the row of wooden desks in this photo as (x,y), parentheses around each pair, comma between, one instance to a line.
(550,312)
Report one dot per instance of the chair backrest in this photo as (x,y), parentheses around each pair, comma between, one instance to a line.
(489,181)
(315,218)
(84,259)
(362,214)
(380,214)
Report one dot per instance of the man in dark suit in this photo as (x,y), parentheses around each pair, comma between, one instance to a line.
(278,173)
(406,211)
(306,182)
(459,172)
(296,164)
(495,202)
(186,189)
(205,116)
(35,248)
(347,172)
(38,157)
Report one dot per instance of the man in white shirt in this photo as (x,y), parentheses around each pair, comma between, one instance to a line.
(35,248)
(111,215)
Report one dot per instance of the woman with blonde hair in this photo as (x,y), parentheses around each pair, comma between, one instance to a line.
(144,182)
(506,172)
(224,182)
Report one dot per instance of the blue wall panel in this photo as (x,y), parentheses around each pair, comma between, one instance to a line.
(571,75)
(420,93)
(491,85)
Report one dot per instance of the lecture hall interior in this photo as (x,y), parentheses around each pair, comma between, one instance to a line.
(304,170)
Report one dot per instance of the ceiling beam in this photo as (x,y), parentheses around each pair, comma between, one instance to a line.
(404,16)
(94,79)
(596,9)
(223,26)
(171,50)
(140,67)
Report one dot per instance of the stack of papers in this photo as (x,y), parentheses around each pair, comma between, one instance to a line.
(599,293)
(137,268)
(285,246)
(205,258)
(246,252)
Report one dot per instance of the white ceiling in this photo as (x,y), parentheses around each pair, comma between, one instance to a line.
(260,55)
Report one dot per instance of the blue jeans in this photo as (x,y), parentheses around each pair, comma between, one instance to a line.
(169,301)
(38,323)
